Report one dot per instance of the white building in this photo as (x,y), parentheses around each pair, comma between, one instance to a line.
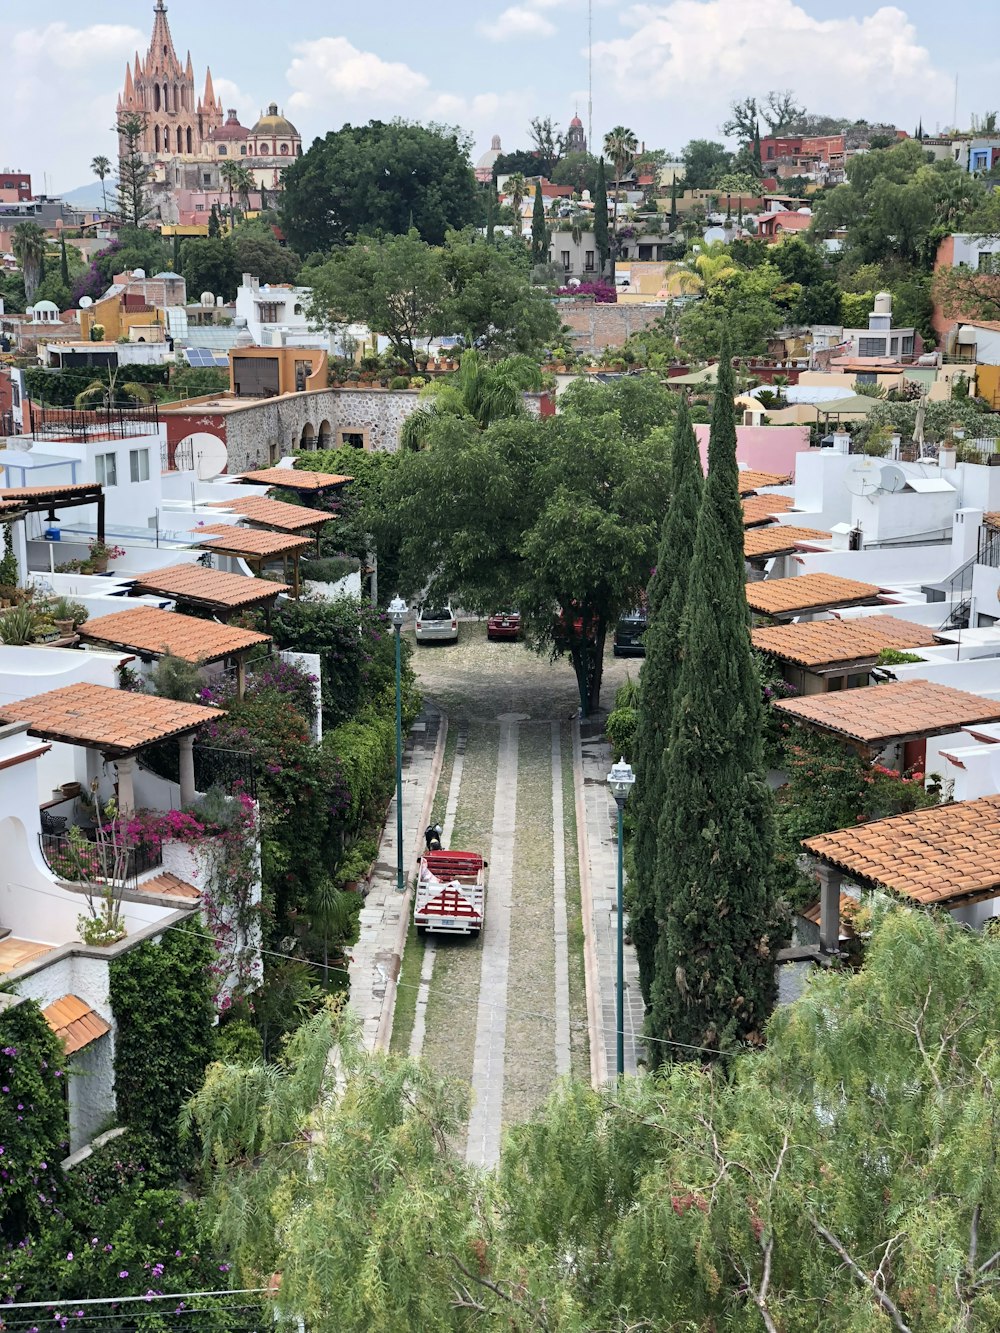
(277,315)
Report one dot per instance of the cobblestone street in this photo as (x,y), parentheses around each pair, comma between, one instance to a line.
(508,1012)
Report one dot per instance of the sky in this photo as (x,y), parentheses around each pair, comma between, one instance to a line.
(667,70)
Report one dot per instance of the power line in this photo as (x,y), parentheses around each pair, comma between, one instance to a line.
(145,1300)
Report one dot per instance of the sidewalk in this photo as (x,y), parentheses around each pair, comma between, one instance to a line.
(600,825)
(375,959)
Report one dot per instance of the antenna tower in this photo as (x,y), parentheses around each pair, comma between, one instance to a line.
(590,76)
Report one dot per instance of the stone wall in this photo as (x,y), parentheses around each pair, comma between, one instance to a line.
(263,432)
(597,326)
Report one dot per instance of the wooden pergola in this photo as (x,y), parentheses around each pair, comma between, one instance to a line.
(210,589)
(263,512)
(150,633)
(257,547)
(296,479)
(47,499)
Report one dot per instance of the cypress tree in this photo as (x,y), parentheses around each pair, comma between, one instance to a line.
(176,259)
(667,595)
(491,213)
(720,921)
(63,261)
(756,148)
(601,216)
(214,225)
(539,231)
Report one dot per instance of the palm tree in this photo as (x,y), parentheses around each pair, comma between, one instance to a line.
(620,146)
(244,184)
(28,245)
(482,391)
(105,391)
(516,187)
(101,167)
(232,175)
(714,263)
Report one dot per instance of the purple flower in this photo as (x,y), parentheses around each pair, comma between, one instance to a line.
(123,1273)
(69,1257)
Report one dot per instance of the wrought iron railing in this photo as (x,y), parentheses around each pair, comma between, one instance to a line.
(988,549)
(234,771)
(82,861)
(117,422)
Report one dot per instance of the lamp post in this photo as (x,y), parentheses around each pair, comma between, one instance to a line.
(620,780)
(397,614)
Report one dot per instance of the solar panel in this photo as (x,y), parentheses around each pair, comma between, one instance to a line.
(207,358)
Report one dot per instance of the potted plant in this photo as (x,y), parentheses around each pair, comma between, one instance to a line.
(67,614)
(101,554)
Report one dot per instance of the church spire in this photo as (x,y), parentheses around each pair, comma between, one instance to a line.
(209,98)
(161,46)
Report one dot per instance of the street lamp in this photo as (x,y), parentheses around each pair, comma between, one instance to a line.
(397,614)
(620,780)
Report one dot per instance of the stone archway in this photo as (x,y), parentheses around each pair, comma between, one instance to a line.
(325,434)
(308,440)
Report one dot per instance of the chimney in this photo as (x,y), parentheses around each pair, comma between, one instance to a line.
(841,442)
(947,457)
(895,448)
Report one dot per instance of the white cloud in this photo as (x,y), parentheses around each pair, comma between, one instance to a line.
(334,82)
(232,96)
(518,21)
(332,71)
(54,72)
(701,54)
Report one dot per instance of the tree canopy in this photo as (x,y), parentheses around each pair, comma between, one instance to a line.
(378,178)
(558,516)
(704,162)
(842,1178)
(409,290)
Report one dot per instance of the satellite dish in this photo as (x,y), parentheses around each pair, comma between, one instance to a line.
(865,477)
(86,302)
(892,478)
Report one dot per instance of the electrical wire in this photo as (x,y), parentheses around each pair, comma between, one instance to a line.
(548,1018)
(143,1300)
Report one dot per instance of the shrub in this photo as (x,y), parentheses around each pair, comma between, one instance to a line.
(399,382)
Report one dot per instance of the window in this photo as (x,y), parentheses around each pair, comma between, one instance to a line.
(284,148)
(269,312)
(223,151)
(264,150)
(894,347)
(138,464)
(907,349)
(106,468)
(988,263)
(243,150)
(871,347)
(351,439)
(206,177)
(589,261)
(565,260)
(866,377)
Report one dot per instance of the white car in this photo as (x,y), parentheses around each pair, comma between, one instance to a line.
(436,624)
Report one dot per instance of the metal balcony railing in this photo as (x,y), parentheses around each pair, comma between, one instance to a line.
(87,862)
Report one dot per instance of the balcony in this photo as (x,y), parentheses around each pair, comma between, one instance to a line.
(82,861)
(105,423)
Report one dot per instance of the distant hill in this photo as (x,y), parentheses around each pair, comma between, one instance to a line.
(87,196)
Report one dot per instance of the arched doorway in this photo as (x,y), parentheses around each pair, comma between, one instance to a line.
(308,440)
(325,434)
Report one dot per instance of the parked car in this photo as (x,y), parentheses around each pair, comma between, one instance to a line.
(504,625)
(628,634)
(436,624)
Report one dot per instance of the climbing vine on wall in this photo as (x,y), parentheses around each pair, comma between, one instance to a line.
(34,1131)
(161,995)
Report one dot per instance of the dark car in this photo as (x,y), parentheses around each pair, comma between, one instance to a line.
(504,625)
(628,634)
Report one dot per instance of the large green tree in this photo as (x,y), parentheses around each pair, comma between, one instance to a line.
(482,392)
(667,597)
(704,162)
(131,195)
(742,303)
(490,300)
(844,1178)
(578,170)
(720,925)
(209,265)
(558,516)
(256,251)
(378,178)
(396,286)
(28,245)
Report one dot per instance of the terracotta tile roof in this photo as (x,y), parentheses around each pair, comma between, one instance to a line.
(945,854)
(295,479)
(114,721)
(898,710)
(806,592)
(149,630)
(15,952)
(208,587)
(275,513)
(762,508)
(778,539)
(250,541)
(752,480)
(74,1022)
(41,492)
(11,507)
(828,643)
(820,643)
(169,886)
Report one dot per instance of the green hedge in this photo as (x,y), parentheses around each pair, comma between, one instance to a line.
(59,388)
(161,995)
(365,748)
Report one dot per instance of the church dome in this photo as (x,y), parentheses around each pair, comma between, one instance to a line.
(231,130)
(576,123)
(272,123)
(487,160)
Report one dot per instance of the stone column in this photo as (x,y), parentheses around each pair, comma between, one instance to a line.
(186,746)
(126,790)
(829,909)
